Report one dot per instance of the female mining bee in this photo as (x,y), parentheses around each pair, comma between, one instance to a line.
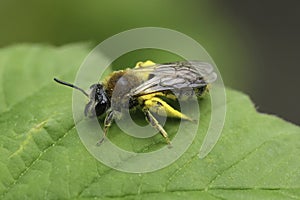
(146,86)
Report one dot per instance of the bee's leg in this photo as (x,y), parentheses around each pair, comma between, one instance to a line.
(151,119)
(160,107)
(107,123)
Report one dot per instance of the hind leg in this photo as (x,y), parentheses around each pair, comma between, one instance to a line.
(162,108)
(154,123)
(156,105)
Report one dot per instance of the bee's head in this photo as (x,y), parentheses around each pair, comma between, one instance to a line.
(99,102)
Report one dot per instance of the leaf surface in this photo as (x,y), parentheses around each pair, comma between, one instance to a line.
(42,157)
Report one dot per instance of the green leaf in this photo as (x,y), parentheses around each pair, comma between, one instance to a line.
(42,157)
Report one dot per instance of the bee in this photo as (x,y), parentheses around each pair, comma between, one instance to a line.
(146,86)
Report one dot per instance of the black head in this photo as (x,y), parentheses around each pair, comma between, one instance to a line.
(99,102)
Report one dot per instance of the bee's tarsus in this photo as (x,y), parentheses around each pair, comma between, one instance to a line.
(100,141)
(195,121)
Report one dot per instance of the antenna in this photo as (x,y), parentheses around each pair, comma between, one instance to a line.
(70,85)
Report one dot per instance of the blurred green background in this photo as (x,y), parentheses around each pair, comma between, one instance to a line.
(234,34)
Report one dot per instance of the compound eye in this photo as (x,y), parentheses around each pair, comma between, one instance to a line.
(101,108)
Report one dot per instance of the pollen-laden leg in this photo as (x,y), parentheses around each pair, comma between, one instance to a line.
(156,105)
(107,123)
(162,108)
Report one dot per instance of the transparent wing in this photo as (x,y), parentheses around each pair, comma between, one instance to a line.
(174,76)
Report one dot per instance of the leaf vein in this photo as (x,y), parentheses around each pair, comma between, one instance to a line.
(209,185)
(25,171)
(179,169)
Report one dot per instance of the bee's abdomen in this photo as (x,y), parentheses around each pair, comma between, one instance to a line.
(186,93)
(201,90)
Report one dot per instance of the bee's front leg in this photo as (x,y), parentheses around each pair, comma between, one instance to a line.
(107,123)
